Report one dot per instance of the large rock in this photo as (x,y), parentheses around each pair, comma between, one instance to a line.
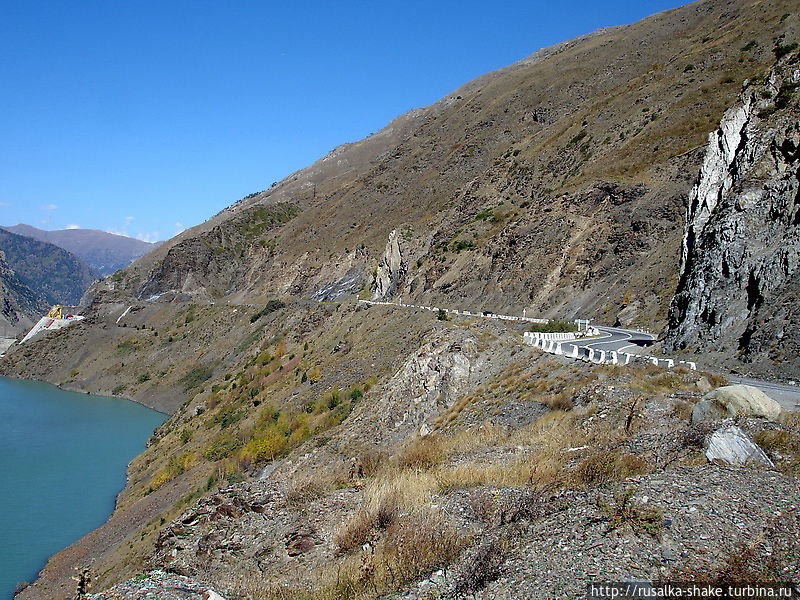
(391,269)
(735,401)
(731,446)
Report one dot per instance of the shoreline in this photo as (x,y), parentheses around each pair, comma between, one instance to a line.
(47,561)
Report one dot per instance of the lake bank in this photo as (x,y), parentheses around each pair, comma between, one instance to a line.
(63,460)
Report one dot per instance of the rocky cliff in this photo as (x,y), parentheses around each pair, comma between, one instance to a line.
(737,292)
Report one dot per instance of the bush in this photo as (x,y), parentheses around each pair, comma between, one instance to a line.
(270,307)
(483,567)
(782,50)
(221,448)
(623,511)
(441,315)
(195,377)
(463,245)
(553,326)
(228,416)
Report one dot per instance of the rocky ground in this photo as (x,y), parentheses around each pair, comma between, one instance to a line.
(530,503)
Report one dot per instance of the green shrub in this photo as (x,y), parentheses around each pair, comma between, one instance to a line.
(463,245)
(195,377)
(553,326)
(270,307)
(228,416)
(221,448)
(782,50)
(623,511)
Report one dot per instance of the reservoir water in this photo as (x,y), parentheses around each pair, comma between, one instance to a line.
(63,458)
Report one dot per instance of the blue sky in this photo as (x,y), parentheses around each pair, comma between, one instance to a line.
(147,117)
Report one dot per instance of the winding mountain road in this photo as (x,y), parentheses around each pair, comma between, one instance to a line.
(627,340)
(616,339)
(612,338)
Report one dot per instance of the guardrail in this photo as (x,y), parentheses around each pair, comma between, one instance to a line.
(463,313)
(602,357)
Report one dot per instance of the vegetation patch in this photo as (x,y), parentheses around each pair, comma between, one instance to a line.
(553,326)
(270,307)
(196,377)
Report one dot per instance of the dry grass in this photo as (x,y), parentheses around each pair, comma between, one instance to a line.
(387,498)
(602,467)
(661,382)
(682,410)
(422,452)
(622,511)
(305,490)
(553,440)
(784,447)
(409,550)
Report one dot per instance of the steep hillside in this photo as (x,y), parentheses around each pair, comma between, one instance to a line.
(102,251)
(21,305)
(57,275)
(320,447)
(557,184)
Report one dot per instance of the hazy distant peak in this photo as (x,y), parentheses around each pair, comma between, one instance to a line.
(103,251)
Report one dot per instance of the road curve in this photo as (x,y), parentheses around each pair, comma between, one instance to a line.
(612,338)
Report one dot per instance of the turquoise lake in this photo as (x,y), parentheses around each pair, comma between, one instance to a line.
(63,458)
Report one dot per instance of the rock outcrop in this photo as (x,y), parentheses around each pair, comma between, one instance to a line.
(741,249)
(733,401)
(391,269)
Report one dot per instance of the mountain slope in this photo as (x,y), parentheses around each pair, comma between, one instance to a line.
(102,251)
(567,171)
(57,275)
(21,306)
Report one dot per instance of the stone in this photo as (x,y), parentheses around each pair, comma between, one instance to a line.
(731,446)
(733,401)
(391,269)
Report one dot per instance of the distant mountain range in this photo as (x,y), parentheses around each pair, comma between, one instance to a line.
(102,251)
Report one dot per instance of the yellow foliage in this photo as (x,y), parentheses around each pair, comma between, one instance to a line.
(314,375)
(265,447)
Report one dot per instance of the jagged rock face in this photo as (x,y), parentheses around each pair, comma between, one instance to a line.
(222,260)
(741,246)
(390,271)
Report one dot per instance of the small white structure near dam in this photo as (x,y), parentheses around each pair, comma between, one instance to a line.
(53,320)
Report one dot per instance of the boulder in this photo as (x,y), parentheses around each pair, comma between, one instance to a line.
(731,446)
(733,401)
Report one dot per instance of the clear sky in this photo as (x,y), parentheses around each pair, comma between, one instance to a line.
(147,117)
